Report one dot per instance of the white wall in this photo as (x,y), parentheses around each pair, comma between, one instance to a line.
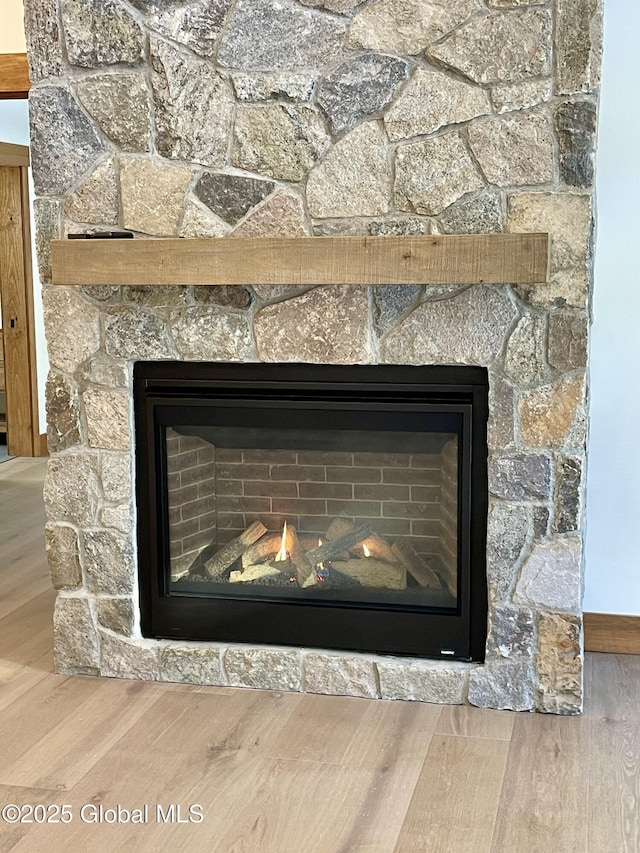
(613,485)
(11,27)
(14,127)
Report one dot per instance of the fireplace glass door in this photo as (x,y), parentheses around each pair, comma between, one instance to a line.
(311,505)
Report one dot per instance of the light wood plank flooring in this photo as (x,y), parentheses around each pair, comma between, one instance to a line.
(284,773)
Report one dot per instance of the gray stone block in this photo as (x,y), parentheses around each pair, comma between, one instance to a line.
(511,633)
(101,32)
(361,87)
(64,142)
(508,685)
(480,215)
(116,614)
(423,681)
(268,35)
(63,556)
(469,328)
(575,125)
(522,477)
(193,106)
(568,495)
(567,341)
(192,665)
(196,25)
(107,557)
(119,104)
(121,658)
(76,647)
(63,412)
(266,669)
(507,535)
(133,333)
(340,675)
(551,577)
(44,45)
(206,334)
(231,196)
(72,489)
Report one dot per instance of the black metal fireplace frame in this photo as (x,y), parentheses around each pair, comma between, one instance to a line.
(386,629)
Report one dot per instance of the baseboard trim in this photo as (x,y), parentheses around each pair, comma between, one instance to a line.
(606,632)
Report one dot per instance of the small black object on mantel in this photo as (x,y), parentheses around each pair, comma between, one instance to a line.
(102,235)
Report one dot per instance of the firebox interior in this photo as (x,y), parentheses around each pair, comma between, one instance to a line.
(315,505)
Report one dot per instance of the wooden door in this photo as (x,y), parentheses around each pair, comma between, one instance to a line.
(16,295)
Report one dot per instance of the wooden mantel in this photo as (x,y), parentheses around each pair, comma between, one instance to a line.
(450,259)
(14,76)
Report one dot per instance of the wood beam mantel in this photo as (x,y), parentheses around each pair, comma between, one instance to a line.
(450,259)
(14,76)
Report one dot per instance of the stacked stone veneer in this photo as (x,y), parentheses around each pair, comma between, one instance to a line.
(258,117)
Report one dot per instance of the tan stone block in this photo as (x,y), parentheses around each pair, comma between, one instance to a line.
(354,179)
(547,414)
(520,96)
(323,325)
(282,141)
(525,354)
(153,195)
(73,328)
(514,150)
(566,216)
(559,663)
(407,26)
(107,414)
(199,221)
(96,199)
(434,173)
(432,100)
(281,216)
(502,47)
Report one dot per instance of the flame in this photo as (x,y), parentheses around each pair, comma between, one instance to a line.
(319,543)
(282,555)
(366,551)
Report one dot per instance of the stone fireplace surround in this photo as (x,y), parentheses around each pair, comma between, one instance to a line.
(261,118)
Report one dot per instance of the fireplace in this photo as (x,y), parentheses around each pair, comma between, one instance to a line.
(329,506)
(289,119)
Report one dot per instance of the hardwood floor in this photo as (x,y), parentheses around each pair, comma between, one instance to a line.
(282,772)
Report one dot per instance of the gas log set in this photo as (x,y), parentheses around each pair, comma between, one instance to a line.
(347,555)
